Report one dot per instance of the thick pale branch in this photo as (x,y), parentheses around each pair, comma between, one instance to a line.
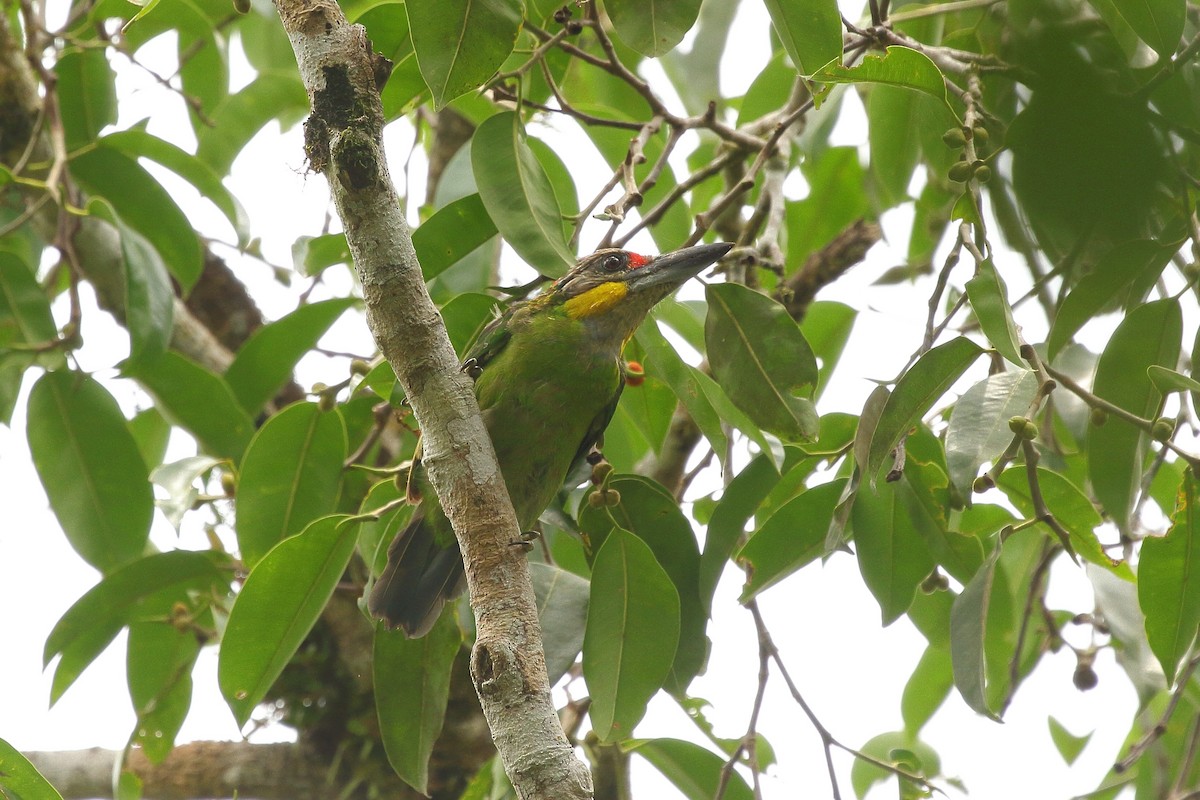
(343,139)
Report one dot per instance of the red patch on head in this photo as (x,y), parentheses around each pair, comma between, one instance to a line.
(636,261)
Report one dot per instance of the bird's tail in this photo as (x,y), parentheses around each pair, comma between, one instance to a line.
(420,576)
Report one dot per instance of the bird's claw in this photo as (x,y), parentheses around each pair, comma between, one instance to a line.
(526,541)
(472,368)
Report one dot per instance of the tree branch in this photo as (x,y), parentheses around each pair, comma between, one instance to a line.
(343,139)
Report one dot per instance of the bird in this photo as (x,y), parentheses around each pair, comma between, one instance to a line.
(548,374)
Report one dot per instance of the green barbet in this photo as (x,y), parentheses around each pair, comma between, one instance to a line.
(548,374)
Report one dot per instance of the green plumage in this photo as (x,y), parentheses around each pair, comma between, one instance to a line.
(548,381)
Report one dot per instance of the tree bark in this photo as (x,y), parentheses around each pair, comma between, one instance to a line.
(343,140)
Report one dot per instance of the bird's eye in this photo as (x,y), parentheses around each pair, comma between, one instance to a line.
(611,263)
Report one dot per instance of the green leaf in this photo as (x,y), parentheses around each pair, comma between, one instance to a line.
(265,363)
(198,401)
(899,749)
(968,629)
(927,688)
(149,296)
(837,197)
(1150,334)
(90,467)
(915,393)
(272,95)
(663,360)
(456,230)
(651,514)
(652,27)
(144,205)
(87,94)
(793,537)
(989,300)
(826,327)
(1069,745)
(1070,506)
(278,605)
(895,142)
(562,602)
(158,664)
(312,255)
(95,619)
(137,143)
(24,320)
(631,635)
(892,554)
(417,672)
(1159,23)
(517,194)
(151,431)
(1117,270)
(978,430)
(694,771)
(460,43)
(1169,582)
(761,359)
(738,504)
(811,31)
(20,780)
(291,475)
(898,66)
(1168,380)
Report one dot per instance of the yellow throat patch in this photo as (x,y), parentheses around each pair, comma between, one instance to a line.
(596,300)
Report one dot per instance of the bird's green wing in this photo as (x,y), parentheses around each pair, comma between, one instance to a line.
(490,341)
(596,430)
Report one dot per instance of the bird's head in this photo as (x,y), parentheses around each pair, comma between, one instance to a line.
(612,290)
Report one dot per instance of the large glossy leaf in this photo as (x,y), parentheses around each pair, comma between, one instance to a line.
(149,296)
(631,635)
(898,66)
(915,393)
(414,676)
(890,543)
(697,773)
(199,402)
(158,665)
(87,94)
(1159,23)
(460,43)
(761,359)
(1069,505)
(793,537)
(137,143)
(453,232)
(96,618)
(518,196)
(291,475)
(895,142)
(277,607)
(91,468)
(811,31)
(968,629)
(562,601)
(989,301)
(1169,582)
(738,504)
(266,360)
(1150,334)
(665,362)
(978,430)
(271,95)
(927,688)
(24,320)
(1124,266)
(652,515)
(652,27)
(144,205)
(19,779)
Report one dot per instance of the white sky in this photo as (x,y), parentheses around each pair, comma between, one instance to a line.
(825,622)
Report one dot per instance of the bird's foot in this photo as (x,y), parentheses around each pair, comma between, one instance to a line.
(526,541)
